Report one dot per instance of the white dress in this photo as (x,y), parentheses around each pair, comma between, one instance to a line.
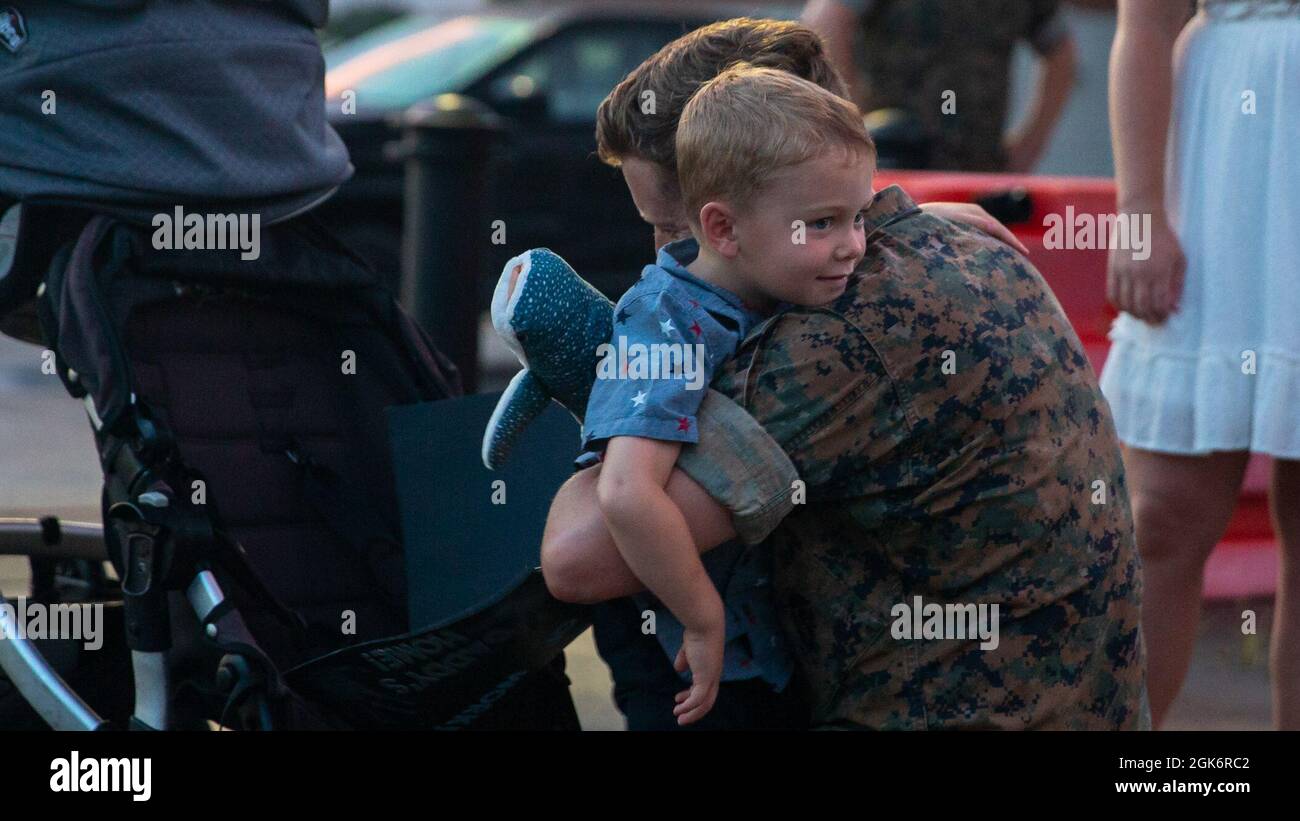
(1223,373)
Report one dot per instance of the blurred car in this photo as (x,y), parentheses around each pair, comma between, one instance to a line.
(544,68)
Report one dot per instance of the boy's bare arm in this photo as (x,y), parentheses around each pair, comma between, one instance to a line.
(649,530)
(580,561)
(736,482)
(653,538)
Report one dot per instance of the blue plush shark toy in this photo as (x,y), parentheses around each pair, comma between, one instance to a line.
(553,321)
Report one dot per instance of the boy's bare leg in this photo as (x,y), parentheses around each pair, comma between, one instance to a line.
(579,558)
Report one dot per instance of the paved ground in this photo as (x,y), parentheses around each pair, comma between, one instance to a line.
(47,466)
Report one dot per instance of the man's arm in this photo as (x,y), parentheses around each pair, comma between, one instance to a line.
(738,462)
(836,22)
(1049,34)
(1026,144)
(580,561)
(743,485)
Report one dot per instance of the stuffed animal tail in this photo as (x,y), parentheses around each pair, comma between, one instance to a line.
(524,399)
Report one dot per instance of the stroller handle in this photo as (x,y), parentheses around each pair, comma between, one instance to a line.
(52,539)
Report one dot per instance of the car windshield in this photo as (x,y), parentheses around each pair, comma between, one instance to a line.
(415,58)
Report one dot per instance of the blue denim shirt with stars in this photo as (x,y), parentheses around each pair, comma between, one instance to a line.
(671,332)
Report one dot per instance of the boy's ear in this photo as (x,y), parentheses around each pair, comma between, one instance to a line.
(718,228)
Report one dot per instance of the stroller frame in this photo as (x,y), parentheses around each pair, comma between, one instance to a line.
(41,685)
(38,682)
(161,546)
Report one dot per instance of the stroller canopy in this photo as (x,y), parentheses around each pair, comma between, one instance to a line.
(134,106)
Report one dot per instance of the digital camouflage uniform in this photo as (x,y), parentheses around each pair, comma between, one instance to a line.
(975,485)
(912,51)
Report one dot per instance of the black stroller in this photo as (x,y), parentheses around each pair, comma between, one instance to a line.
(248,498)
(237,401)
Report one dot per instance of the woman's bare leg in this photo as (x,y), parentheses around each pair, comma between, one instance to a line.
(1284,648)
(1181,506)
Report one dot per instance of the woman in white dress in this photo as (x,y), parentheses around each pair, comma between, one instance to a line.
(1205,362)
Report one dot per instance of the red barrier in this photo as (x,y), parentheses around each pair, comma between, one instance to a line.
(1244,564)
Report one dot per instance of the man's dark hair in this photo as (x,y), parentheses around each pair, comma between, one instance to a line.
(639,117)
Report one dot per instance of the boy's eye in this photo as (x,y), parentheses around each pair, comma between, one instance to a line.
(861,218)
(823,223)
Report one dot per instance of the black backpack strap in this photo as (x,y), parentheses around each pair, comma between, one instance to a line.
(50,330)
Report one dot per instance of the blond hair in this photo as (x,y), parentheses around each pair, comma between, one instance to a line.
(749,122)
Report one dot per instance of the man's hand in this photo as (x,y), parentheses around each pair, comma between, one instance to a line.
(975,216)
(1023,149)
(701,653)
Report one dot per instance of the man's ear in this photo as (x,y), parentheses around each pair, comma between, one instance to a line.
(718,228)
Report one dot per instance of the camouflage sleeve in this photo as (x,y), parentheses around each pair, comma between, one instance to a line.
(826,409)
(819,388)
(741,467)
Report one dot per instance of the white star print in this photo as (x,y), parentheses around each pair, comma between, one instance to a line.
(639,399)
(666,326)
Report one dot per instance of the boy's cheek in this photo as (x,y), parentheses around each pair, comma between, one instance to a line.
(817,245)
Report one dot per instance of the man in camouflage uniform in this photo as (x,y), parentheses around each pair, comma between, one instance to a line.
(951,441)
(936,431)
(948,63)
(994,480)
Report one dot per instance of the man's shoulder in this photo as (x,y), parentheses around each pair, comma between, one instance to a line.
(801,333)
(803,370)
(942,237)
(920,263)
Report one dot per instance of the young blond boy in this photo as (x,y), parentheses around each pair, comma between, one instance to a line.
(775,172)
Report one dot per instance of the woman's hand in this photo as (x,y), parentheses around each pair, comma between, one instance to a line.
(1141,94)
(1150,288)
(975,216)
